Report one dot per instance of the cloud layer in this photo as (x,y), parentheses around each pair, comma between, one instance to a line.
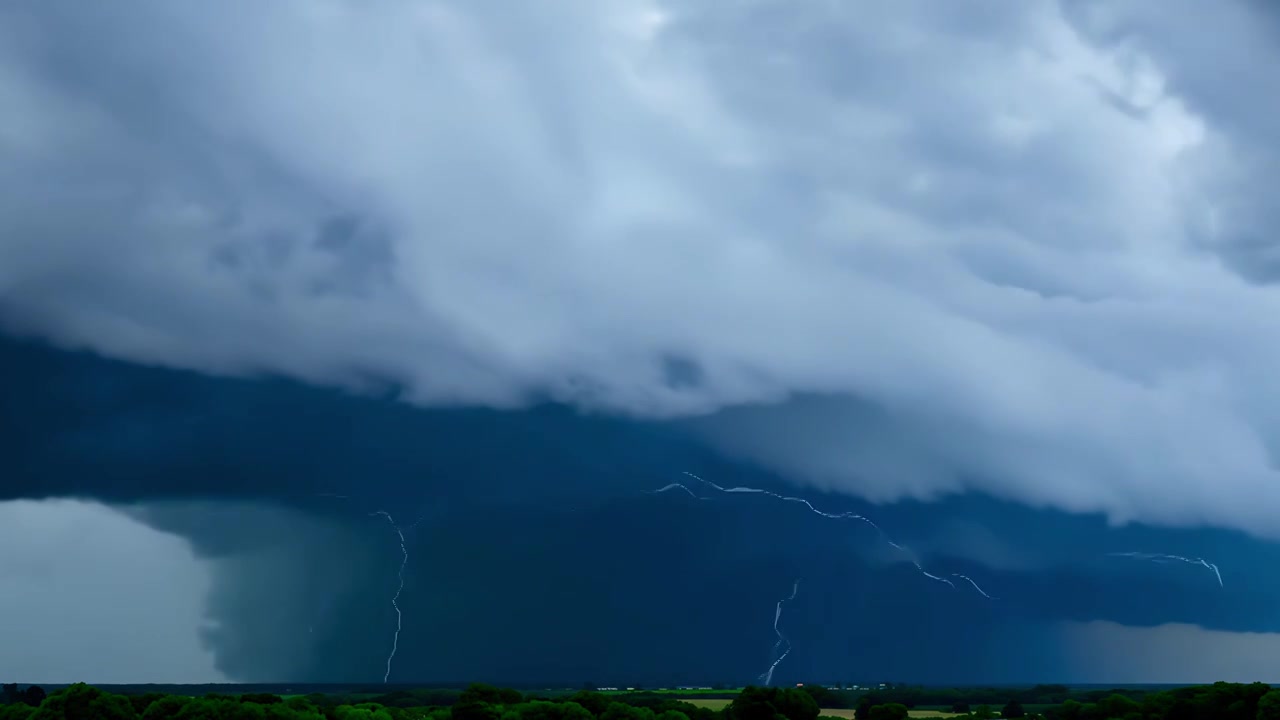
(676,591)
(891,250)
(271,485)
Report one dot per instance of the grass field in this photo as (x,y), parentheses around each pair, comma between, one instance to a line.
(828,712)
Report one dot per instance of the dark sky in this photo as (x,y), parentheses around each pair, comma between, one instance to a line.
(538,552)
(1000,279)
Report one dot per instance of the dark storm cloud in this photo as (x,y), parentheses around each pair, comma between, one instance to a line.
(887,251)
(540,518)
(667,589)
(80,425)
(987,225)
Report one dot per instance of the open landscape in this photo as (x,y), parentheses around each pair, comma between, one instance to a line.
(486,702)
(639,359)
(720,704)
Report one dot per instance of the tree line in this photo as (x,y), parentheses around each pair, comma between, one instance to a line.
(1220,701)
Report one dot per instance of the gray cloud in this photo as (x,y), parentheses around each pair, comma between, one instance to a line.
(193,592)
(1226,83)
(1107,652)
(90,595)
(977,238)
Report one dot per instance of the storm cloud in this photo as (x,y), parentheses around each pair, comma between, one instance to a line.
(1014,233)
(537,553)
(1002,275)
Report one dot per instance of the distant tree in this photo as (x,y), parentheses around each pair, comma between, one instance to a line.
(960,707)
(140,703)
(480,692)
(1053,694)
(693,712)
(546,710)
(11,694)
(1184,709)
(261,698)
(672,715)
(594,702)
(757,703)
(474,710)
(166,708)
(83,702)
(623,711)
(221,708)
(283,711)
(983,712)
(753,703)
(301,703)
(1252,695)
(1068,710)
(1117,706)
(889,711)
(297,708)
(1269,706)
(795,704)
(34,695)
(827,698)
(1014,709)
(572,711)
(16,711)
(364,711)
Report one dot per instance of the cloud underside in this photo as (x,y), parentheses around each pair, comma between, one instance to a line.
(275,595)
(891,251)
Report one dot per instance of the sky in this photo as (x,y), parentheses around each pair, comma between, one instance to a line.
(998,277)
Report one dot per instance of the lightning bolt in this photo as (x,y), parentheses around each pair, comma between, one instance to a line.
(767,676)
(969,580)
(395,599)
(678,486)
(404,562)
(1163,558)
(833,516)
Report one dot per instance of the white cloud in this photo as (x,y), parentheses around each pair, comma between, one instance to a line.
(90,595)
(989,227)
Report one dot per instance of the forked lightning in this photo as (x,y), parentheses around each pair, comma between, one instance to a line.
(833,516)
